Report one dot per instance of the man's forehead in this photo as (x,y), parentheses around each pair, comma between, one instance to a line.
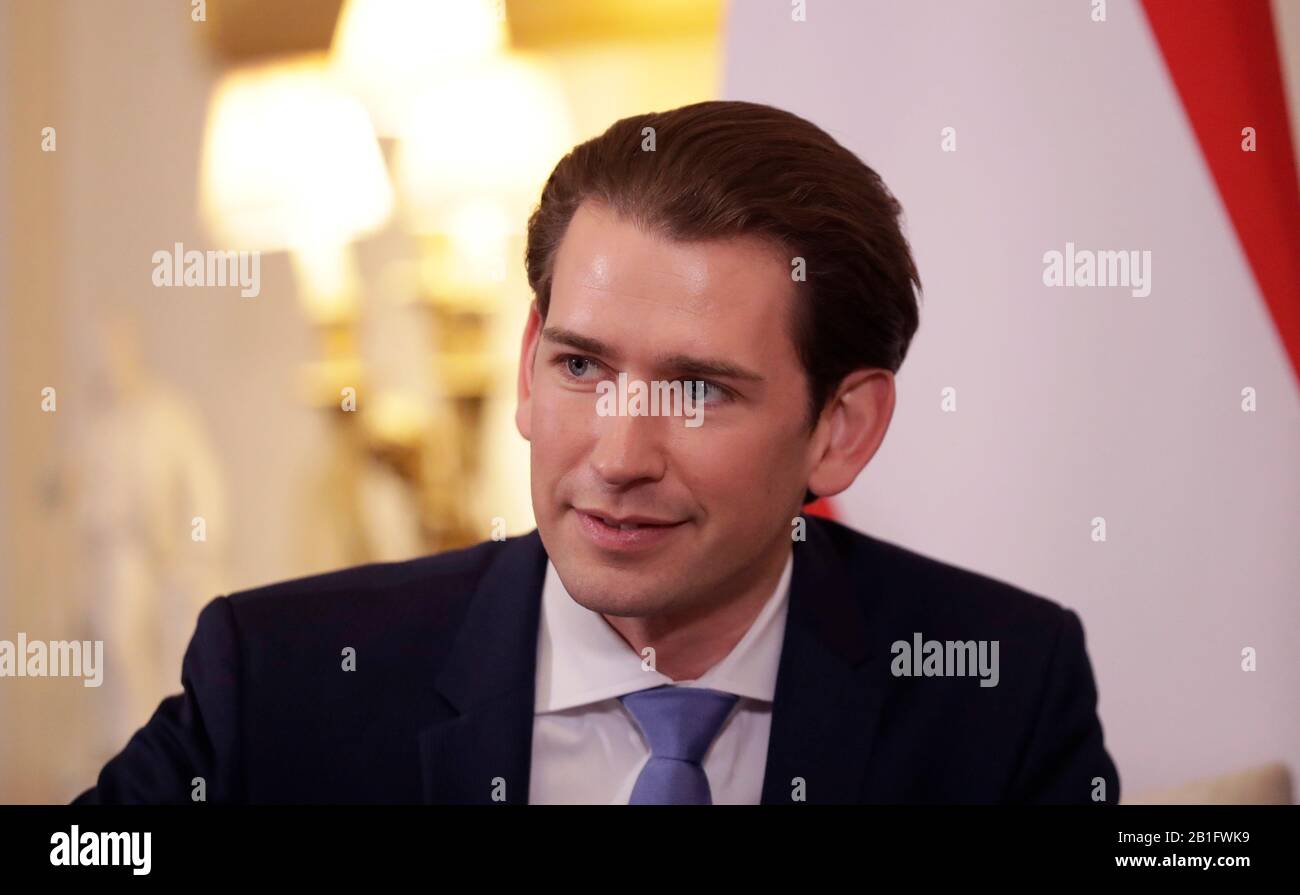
(607,263)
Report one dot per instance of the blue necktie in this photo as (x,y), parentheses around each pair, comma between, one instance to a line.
(679,723)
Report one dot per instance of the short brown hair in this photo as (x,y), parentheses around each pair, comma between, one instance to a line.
(729,168)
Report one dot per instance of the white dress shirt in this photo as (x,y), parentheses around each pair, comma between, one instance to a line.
(588,749)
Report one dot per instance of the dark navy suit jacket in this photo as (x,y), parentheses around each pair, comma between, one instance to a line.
(440,703)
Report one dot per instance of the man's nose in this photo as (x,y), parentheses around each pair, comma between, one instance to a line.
(627,449)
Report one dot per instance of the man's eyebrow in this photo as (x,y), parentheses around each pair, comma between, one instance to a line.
(575,340)
(701,367)
(682,364)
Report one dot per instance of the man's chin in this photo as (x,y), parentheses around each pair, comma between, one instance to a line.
(617,593)
(627,583)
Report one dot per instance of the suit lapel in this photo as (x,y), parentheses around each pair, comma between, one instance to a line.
(489,681)
(830,681)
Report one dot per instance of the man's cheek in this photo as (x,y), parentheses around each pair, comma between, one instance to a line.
(560,430)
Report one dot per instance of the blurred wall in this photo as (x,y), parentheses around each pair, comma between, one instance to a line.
(32,574)
(126,84)
(6,460)
(1072,403)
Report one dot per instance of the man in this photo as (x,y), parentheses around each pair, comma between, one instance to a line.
(674,630)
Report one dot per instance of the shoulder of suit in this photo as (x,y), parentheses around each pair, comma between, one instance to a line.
(907,579)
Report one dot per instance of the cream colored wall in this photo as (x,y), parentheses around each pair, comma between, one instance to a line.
(33,572)
(126,84)
(126,88)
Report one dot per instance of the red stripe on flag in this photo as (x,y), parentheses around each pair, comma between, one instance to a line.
(1223,59)
(822,506)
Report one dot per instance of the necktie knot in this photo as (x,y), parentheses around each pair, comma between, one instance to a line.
(679,724)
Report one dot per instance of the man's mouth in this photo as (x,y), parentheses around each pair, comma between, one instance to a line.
(629,523)
(622,533)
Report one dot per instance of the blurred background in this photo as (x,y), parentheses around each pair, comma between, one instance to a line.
(352,400)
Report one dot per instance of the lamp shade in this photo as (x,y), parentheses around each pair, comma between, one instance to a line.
(387,50)
(491,134)
(290,161)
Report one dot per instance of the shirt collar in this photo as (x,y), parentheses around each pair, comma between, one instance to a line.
(581,659)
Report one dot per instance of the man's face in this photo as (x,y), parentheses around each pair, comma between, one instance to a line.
(721,494)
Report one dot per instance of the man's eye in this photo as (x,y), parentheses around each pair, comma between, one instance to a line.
(577,366)
(702,391)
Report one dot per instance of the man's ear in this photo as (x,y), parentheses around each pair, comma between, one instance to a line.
(850,430)
(527,354)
